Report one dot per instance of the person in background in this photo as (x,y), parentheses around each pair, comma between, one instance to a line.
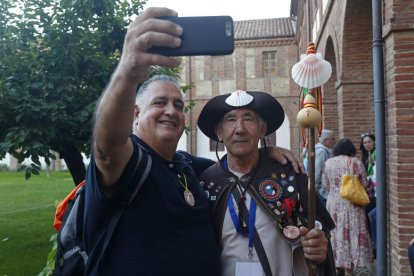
(368,151)
(367,147)
(411,255)
(369,155)
(323,151)
(350,239)
(304,155)
(259,205)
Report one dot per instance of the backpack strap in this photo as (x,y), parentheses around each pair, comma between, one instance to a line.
(143,166)
(118,211)
(145,173)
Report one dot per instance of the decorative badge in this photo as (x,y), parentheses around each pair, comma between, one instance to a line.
(287,208)
(291,232)
(270,190)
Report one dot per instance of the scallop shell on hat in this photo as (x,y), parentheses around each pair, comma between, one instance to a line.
(239,98)
(312,71)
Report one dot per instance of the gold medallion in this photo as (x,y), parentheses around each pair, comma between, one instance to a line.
(189,198)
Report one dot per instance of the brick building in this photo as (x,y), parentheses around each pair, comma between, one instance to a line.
(342,31)
(265,51)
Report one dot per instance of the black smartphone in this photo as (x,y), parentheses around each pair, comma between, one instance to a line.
(202,35)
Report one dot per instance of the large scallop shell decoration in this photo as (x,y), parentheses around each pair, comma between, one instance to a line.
(239,98)
(312,71)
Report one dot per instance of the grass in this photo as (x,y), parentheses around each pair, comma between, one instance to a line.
(26,219)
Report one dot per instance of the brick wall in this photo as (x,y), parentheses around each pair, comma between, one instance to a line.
(348,95)
(330,99)
(346,38)
(399,61)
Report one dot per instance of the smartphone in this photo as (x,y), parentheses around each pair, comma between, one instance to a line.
(202,35)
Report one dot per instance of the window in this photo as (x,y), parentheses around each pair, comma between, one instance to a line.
(270,140)
(213,143)
(269,64)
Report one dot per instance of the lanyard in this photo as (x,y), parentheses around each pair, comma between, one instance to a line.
(235,219)
(252,218)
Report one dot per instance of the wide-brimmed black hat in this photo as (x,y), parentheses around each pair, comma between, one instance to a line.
(262,103)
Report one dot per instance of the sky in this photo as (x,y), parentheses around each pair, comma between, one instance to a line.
(237,9)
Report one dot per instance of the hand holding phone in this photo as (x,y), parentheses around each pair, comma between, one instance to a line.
(202,35)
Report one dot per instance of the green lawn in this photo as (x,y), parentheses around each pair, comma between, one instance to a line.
(26,219)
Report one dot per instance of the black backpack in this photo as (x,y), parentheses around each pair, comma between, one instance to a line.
(71,256)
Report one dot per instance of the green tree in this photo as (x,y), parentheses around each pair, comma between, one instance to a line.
(56,58)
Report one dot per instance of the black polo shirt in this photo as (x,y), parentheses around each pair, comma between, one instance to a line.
(158,233)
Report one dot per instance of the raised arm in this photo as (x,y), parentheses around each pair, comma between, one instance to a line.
(114,114)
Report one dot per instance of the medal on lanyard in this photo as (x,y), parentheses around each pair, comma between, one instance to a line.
(252,218)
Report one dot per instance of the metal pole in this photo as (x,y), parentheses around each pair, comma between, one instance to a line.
(379,107)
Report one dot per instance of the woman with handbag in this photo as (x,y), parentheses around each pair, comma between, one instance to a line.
(350,239)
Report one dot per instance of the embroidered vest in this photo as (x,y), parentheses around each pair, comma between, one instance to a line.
(277,189)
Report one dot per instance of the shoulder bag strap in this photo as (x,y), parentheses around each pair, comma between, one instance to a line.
(350,165)
(352,161)
(145,172)
(257,242)
(120,209)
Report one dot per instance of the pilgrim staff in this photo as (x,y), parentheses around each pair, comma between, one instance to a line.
(310,73)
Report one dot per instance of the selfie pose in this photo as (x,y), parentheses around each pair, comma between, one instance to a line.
(165,227)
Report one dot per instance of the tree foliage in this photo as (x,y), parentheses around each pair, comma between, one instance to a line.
(56,58)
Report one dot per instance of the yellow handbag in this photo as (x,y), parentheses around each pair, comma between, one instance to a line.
(351,188)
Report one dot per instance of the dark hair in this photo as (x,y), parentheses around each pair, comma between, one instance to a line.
(365,153)
(160,78)
(344,147)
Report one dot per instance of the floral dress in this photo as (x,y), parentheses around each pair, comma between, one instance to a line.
(350,238)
